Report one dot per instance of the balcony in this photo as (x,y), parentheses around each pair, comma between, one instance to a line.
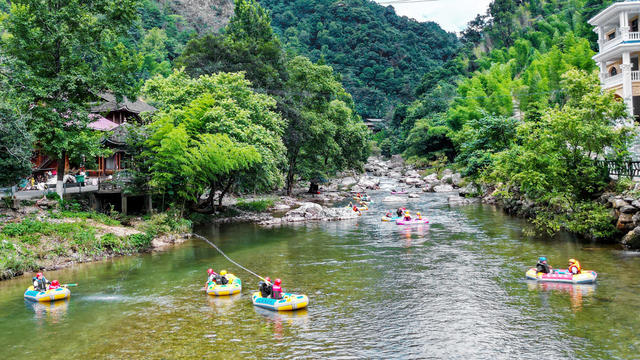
(619,38)
(612,81)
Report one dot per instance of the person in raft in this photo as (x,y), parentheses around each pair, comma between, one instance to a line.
(400,212)
(266,287)
(407,216)
(55,284)
(418,215)
(388,214)
(40,282)
(276,293)
(542,266)
(223,277)
(574,267)
(211,276)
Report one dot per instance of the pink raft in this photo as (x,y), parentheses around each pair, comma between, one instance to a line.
(412,221)
(563,276)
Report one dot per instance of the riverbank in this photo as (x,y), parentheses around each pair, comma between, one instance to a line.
(49,238)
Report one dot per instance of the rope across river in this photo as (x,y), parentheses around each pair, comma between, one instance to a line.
(228,258)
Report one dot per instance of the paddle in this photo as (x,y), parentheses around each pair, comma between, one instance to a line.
(69,285)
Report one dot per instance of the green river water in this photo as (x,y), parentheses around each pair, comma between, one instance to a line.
(454,289)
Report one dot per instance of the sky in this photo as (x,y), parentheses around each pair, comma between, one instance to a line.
(451,15)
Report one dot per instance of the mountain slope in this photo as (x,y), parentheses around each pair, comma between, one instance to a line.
(380,55)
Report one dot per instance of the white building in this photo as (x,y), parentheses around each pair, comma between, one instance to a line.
(619,42)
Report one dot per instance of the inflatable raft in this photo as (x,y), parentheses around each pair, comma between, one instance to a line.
(563,276)
(387,219)
(46,296)
(289,302)
(402,221)
(233,287)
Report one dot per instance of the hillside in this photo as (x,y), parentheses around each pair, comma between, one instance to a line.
(380,55)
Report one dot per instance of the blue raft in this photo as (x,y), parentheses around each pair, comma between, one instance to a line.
(289,302)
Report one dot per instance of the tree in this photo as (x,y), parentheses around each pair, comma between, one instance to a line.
(324,134)
(554,157)
(60,54)
(16,145)
(248,45)
(213,104)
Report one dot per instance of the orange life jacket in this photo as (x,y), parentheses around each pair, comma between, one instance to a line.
(575,268)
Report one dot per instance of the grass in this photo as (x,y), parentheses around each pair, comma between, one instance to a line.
(255,205)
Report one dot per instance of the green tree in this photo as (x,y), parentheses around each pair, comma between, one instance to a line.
(213,104)
(324,133)
(554,157)
(59,54)
(16,146)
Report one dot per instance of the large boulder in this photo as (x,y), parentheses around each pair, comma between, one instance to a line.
(632,239)
(396,162)
(618,203)
(413,181)
(469,190)
(456,179)
(348,181)
(368,183)
(414,196)
(307,211)
(628,209)
(625,222)
(443,188)
(335,214)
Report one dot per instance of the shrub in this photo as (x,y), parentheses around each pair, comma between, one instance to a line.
(255,205)
(165,223)
(140,241)
(84,241)
(53,196)
(112,242)
(15,260)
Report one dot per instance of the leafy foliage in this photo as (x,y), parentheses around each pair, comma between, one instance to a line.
(16,144)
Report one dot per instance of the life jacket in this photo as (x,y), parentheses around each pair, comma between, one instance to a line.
(276,292)
(575,268)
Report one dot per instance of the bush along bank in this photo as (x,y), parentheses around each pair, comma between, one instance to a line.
(35,239)
(613,217)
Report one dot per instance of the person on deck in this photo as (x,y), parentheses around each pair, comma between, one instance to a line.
(574,267)
(223,277)
(266,287)
(40,282)
(276,292)
(542,266)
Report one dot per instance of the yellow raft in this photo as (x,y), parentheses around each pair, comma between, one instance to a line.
(233,287)
(45,296)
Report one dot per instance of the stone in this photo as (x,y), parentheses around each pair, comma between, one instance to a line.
(618,203)
(431,178)
(628,199)
(636,219)
(447,179)
(307,211)
(414,196)
(636,203)
(428,188)
(447,172)
(469,190)
(348,181)
(456,179)
(443,188)
(368,183)
(628,209)
(280,207)
(413,181)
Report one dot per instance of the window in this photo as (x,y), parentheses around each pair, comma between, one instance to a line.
(634,63)
(634,25)
(613,71)
(611,36)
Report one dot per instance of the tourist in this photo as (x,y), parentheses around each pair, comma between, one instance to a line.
(276,291)
(223,277)
(55,284)
(265,287)
(542,266)
(40,282)
(407,216)
(418,215)
(211,276)
(400,212)
(574,267)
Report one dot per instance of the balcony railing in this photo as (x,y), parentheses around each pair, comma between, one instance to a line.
(610,81)
(634,36)
(635,76)
(619,38)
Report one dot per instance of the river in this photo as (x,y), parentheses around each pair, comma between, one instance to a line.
(454,289)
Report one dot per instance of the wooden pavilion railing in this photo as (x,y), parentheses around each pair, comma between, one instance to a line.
(621,168)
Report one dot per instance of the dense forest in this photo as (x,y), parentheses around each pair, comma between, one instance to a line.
(521,108)
(380,55)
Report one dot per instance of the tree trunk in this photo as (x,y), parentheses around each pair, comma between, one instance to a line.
(224,191)
(291,175)
(60,175)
